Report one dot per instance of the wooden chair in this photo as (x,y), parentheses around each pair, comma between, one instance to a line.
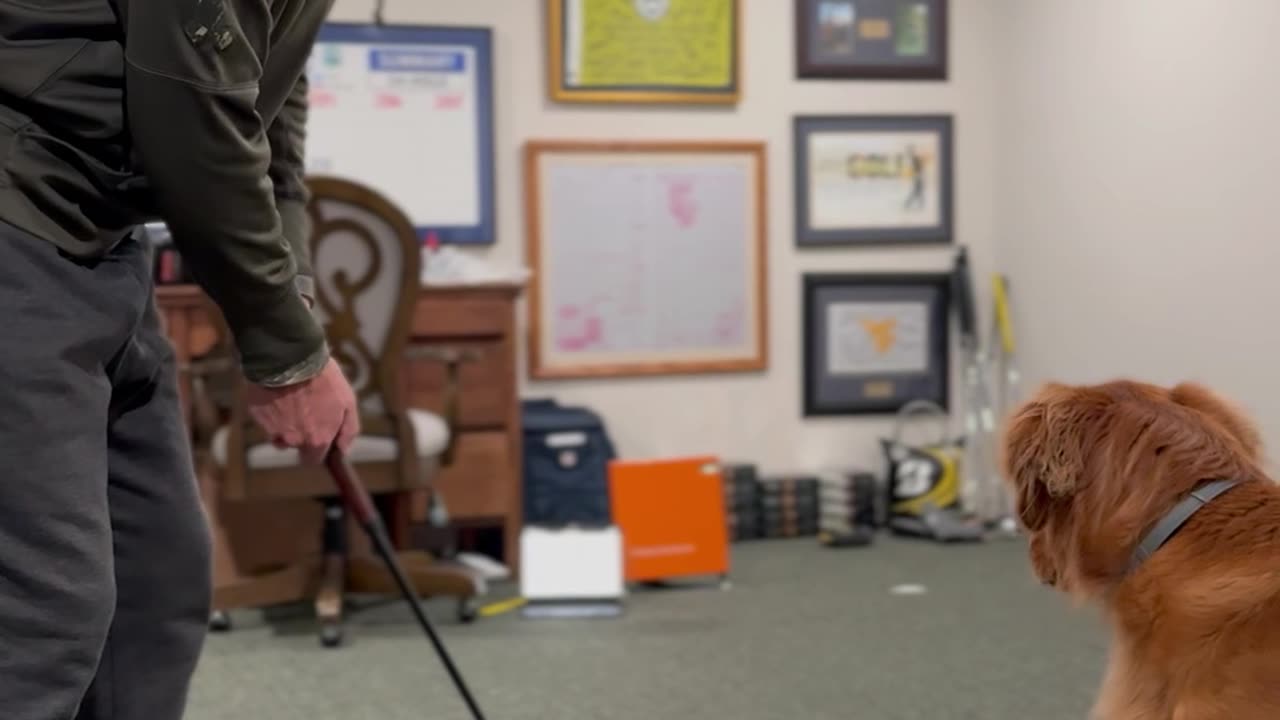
(366,260)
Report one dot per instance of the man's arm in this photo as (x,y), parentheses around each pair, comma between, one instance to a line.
(192,73)
(287,136)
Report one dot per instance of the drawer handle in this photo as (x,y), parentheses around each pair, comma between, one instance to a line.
(446,355)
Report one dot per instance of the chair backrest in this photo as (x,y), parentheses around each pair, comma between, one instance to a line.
(365,256)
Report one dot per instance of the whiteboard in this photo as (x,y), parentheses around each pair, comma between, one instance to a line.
(407,111)
(648,258)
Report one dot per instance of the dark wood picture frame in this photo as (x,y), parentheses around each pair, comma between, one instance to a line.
(805,126)
(934,384)
(808,68)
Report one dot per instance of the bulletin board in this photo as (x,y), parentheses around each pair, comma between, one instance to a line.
(408,111)
(648,258)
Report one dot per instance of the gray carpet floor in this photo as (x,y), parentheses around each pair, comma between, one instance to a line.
(803,633)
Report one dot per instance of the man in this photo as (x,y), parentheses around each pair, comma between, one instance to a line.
(112,113)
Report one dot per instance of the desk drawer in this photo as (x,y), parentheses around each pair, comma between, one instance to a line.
(435,318)
(486,385)
(481,479)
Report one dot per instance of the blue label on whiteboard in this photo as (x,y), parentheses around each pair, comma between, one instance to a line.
(407,60)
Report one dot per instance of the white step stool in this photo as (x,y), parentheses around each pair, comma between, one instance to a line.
(571,572)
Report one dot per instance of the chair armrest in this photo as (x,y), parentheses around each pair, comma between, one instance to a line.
(452,358)
(201,373)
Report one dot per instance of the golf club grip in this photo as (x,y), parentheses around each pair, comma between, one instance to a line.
(962,283)
(353,492)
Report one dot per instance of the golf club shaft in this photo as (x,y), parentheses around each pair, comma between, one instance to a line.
(359,502)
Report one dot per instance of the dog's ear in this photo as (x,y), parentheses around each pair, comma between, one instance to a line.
(1034,504)
(1201,399)
(1043,452)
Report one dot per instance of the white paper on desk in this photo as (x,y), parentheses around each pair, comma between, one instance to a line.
(448,266)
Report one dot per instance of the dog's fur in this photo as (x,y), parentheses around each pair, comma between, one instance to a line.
(1196,628)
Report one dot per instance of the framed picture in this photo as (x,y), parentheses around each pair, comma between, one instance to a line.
(409,111)
(648,258)
(644,51)
(875,341)
(873,179)
(871,39)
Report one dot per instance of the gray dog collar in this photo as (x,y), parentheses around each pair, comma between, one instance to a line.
(1175,518)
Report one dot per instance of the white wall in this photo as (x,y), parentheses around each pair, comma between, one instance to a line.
(752,417)
(1139,203)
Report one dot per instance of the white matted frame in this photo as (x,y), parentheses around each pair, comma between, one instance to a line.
(648,258)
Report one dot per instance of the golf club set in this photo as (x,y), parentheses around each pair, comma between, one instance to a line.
(948,488)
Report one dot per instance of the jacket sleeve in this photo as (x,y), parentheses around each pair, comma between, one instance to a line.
(287,136)
(192,74)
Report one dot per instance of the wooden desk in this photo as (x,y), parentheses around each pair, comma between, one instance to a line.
(482,487)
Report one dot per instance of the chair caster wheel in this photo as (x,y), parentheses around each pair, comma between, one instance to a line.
(219,622)
(331,635)
(467,611)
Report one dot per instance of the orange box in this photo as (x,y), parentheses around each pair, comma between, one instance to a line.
(672,517)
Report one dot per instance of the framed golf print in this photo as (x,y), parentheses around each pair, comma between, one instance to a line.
(643,51)
(875,341)
(871,39)
(873,179)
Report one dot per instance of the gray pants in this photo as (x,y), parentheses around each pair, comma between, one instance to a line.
(104,549)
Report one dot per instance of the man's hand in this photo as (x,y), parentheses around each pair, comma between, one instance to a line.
(311,416)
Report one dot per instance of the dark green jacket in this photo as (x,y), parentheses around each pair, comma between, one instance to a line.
(118,112)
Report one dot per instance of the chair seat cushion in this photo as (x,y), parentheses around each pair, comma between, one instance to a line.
(430,432)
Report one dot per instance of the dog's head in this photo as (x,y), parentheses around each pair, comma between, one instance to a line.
(1092,467)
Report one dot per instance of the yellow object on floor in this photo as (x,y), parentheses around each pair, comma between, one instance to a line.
(502,606)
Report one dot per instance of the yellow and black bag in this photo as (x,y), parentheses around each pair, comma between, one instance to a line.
(923,480)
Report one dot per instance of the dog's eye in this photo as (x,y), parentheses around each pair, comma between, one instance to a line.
(1161,449)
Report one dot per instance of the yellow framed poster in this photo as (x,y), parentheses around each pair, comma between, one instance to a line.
(644,51)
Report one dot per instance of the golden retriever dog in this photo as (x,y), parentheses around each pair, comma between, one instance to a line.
(1196,624)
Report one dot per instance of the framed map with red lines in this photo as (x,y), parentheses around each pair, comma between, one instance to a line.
(648,257)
